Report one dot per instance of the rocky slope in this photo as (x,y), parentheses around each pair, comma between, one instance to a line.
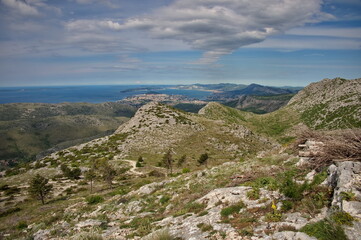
(330,104)
(259,104)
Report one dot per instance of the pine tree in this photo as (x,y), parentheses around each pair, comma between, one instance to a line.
(107,171)
(203,159)
(167,161)
(90,175)
(39,188)
(181,160)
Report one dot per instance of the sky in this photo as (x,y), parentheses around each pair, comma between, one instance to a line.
(101,42)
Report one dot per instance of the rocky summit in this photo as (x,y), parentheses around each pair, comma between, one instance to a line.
(218,174)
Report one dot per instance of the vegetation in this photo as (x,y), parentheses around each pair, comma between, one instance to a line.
(230,210)
(325,230)
(203,159)
(167,161)
(94,199)
(39,188)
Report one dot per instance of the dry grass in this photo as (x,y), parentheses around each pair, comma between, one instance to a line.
(340,145)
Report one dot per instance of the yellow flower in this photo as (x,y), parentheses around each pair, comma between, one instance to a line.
(274,205)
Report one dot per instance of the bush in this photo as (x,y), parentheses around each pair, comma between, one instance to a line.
(22,225)
(324,230)
(204,227)
(195,207)
(164,199)
(273,217)
(94,199)
(348,196)
(225,212)
(286,205)
(342,218)
(291,189)
(253,194)
(186,170)
(160,235)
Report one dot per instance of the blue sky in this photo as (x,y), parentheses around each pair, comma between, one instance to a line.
(270,42)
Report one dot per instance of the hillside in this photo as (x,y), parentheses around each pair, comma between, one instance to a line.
(259,104)
(330,104)
(251,90)
(27,129)
(262,179)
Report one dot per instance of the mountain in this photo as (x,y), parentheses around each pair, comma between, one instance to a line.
(219,174)
(330,104)
(259,104)
(27,129)
(252,90)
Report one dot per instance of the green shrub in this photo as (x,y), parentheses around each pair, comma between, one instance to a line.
(286,205)
(254,194)
(204,227)
(186,170)
(348,196)
(195,207)
(273,217)
(22,225)
(94,199)
(225,212)
(291,189)
(342,218)
(164,199)
(324,230)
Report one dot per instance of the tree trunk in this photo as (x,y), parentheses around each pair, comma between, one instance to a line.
(42,199)
(91,186)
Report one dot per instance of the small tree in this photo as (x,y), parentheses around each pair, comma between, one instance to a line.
(90,175)
(39,188)
(167,161)
(107,171)
(70,173)
(203,159)
(181,160)
(140,162)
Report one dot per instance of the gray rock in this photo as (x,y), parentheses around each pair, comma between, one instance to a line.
(89,223)
(353,208)
(310,176)
(42,234)
(353,232)
(288,235)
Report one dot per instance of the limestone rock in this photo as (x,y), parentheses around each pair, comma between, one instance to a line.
(288,235)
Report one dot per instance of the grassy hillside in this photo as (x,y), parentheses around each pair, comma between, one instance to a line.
(275,125)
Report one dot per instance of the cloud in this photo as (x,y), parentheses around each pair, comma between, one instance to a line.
(21,7)
(221,27)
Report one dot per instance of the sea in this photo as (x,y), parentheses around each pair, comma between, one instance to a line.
(90,94)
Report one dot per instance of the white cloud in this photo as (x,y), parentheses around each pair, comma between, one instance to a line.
(21,7)
(221,27)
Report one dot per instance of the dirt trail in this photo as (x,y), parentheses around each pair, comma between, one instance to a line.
(133,165)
